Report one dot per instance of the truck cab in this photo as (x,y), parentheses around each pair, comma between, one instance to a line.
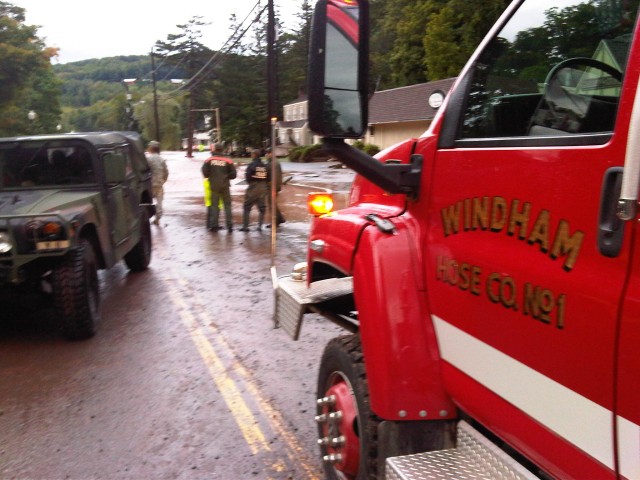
(487,271)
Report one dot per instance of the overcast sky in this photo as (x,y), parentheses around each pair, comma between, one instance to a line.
(84,29)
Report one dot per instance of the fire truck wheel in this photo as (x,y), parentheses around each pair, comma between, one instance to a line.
(76,292)
(348,431)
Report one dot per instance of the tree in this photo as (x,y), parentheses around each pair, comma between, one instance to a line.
(397,35)
(407,57)
(29,85)
(184,48)
(169,113)
(293,50)
(453,33)
(240,87)
(566,33)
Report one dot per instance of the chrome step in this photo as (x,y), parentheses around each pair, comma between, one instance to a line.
(475,457)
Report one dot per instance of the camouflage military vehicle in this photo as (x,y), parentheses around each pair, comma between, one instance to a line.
(72,204)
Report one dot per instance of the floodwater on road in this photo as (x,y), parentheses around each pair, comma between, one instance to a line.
(187,378)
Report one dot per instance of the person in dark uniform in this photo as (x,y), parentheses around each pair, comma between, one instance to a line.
(220,170)
(257,176)
(278,179)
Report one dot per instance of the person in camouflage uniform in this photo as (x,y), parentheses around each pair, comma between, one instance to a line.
(257,177)
(220,170)
(159,175)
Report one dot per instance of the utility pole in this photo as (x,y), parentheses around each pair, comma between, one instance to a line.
(190,124)
(156,118)
(191,99)
(272,74)
(272,112)
(133,123)
(218,126)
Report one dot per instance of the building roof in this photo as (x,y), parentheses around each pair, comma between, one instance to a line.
(405,104)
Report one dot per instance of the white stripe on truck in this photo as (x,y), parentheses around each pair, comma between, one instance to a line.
(574,417)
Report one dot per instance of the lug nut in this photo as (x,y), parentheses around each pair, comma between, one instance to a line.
(323,441)
(338,441)
(335,416)
(321,418)
(326,401)
(333,458)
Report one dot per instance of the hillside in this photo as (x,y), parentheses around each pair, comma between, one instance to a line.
(88,81)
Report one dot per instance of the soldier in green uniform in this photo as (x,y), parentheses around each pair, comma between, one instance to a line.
(220,170)
(257,176)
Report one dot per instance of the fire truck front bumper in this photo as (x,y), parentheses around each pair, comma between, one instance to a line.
(331,298)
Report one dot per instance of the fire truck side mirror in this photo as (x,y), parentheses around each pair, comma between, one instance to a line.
(338,68)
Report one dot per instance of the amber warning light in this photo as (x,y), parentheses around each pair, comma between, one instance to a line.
(320,203)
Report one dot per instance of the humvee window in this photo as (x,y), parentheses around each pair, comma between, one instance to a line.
(43,165)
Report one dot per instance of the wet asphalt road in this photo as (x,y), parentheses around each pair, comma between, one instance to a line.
(186,377)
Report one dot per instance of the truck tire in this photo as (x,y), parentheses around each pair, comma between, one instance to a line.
(139,257)
(76,292)
(348,430)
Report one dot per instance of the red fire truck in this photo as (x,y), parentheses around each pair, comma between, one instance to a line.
(487,272)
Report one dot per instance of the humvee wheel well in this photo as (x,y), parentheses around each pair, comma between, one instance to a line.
(90,233)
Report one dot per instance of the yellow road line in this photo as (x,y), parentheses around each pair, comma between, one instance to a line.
(227,387)
(232,395)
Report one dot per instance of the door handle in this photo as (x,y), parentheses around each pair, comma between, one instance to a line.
(610,227)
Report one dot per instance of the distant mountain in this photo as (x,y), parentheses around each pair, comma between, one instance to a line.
(114,69)
(89,81)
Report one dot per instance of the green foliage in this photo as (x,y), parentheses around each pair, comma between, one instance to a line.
(412,41)
(28,84)
(241,91)
(454,32)
(565,33)
(184,50)
(94,94)
(80,93)
(307,153)
(398,28)
(169,114)
(293,49)
(100,116)
(93,105)
(371,149)
(20,48)
(295,153)
(368,148)
(109,69)
(310,153)
(415,41)
(359,144)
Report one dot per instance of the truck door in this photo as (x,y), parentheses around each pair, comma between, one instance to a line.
(526,261)
(628,382)
(122,199)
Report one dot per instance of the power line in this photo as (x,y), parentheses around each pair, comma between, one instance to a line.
(200,75)
(175,67)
